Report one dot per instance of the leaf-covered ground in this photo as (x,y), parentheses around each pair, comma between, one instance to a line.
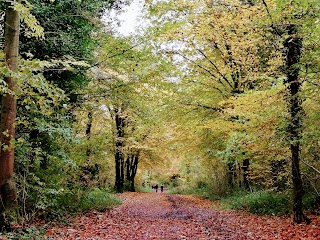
(164,216)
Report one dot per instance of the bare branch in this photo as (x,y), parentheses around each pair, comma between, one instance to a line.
(309,165)
(215,66)
(202,67)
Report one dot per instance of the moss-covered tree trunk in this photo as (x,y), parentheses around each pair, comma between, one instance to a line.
(293,46)
(8,193)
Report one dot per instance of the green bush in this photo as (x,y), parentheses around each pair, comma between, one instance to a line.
(178,190)
(201,189)
(57,205)
(308,200)
(31,232)
(98,199)
(261,202)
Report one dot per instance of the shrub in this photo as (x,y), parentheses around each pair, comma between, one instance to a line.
(31,232)
(98,199)
(261,202)
(57,205)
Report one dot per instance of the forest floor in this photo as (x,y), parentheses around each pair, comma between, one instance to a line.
(165,216)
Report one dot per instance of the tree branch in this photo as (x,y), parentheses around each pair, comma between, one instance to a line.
(114,55)
(202,67)
(309,165)
(215,66)
(269,14)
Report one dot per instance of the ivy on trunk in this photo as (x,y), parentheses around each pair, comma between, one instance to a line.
(293,45)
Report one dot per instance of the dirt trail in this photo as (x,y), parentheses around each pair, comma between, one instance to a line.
(168,217)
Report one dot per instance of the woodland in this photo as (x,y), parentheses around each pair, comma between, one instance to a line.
(216,98)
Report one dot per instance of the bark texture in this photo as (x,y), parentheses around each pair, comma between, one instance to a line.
(8,192)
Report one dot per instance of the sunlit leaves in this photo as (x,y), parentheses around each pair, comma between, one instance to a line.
(33,28)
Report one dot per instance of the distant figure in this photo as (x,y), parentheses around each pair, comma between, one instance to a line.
(161,187)
(155,186)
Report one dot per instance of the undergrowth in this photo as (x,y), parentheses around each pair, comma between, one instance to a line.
(31,232)
(260,202)
(98,199)
(58,206)
(203,191)
(70,202)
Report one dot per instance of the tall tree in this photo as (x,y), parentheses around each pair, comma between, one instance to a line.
(221,53)
(8,192)
(289,20)
(293,45)
(120,123)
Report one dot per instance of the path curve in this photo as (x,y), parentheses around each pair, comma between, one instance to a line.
(173,217)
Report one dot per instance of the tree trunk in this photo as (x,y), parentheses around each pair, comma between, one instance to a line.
(278,168)
(230,175)
(119,184)
(132,188)
(8,193)
(127,167)
(88,133)
(131,169)
(119,156)
(293,46)
(245,168)
(134,168)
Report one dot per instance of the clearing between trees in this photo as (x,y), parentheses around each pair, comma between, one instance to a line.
(171,216)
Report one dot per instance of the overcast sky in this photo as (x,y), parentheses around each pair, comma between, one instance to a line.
(129,18)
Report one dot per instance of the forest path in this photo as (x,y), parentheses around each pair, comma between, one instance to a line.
(169,217)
